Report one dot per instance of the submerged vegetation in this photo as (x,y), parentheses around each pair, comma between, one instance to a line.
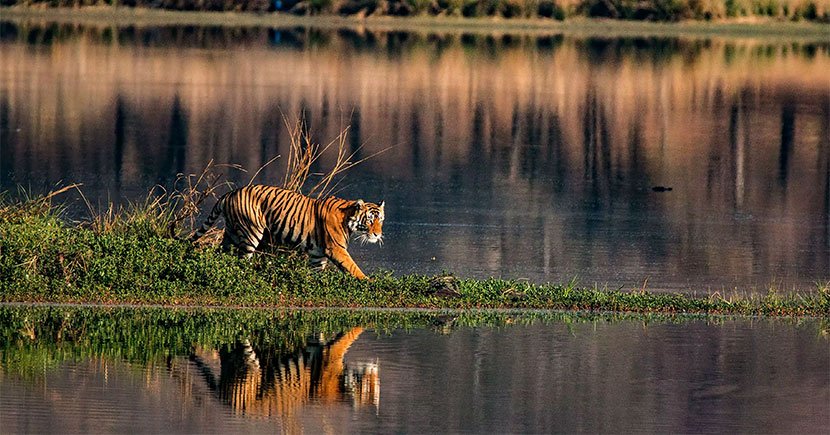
(130,257)
(643,10)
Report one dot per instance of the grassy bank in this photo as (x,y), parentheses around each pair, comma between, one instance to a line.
(129,257)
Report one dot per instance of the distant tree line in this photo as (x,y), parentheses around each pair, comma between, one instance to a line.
(652,10)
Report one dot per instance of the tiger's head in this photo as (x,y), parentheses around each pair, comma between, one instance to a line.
(367,221)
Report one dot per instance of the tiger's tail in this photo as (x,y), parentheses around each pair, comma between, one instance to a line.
(217,210)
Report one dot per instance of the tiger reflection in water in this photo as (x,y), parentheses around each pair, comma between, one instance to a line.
(266,383)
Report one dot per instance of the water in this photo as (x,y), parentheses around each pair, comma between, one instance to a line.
(214,370)
(516,156)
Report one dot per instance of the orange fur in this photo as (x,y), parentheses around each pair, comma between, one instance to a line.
(275,216)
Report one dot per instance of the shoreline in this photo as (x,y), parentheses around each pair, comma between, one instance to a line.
(393,310)
(133,260)
(140,256)
(580,26)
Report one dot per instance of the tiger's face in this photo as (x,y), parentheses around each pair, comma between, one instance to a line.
(367,222)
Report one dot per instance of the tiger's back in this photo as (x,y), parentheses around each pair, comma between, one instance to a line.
(272,215)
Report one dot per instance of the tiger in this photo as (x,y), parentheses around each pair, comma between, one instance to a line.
(262,380)
(320,227)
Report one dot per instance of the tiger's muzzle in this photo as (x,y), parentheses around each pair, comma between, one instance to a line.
(372,233)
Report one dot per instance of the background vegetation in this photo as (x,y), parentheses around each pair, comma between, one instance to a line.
(654,10)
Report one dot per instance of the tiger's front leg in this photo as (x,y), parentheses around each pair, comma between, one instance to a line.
(317,262)
(344,261)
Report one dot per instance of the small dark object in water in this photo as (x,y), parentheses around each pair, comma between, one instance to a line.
(661,189)
(444,285)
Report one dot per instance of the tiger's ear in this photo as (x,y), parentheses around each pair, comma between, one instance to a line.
(354,206)
(381,204)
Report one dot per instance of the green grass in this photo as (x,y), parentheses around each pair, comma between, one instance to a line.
(128,257)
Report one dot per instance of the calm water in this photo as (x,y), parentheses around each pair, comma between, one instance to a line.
(163,370)
(508,155)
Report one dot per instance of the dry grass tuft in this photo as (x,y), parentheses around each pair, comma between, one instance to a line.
(30,205)
(211,238)
(163,211)
(304,153)
(186,201)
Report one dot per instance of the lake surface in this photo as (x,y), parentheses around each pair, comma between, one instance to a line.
(516,156)
(217,370)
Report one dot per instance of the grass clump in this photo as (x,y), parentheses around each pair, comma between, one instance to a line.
(45,258)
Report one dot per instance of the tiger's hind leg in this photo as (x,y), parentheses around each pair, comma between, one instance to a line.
(227,241)
(245,239)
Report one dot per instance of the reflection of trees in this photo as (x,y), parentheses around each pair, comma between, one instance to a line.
(597,149)
(266,381)
(176,140)
(6,152)
(823,164)
(601,376)
(787,139)
(650,50)
(38,33)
